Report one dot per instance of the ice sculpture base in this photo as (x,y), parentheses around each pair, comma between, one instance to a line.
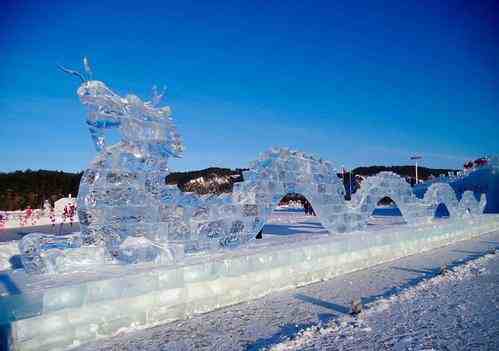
(63,311)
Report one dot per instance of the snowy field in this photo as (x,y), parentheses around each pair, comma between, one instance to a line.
(16,233)
(408,306)
(16,222)
(455,311)
(9,239)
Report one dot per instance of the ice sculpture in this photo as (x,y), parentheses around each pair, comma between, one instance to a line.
(414,210)
(208,222)
(120,193)
(129,215)
(384,184)
(40,252)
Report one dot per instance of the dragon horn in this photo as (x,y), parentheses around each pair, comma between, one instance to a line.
(72,72)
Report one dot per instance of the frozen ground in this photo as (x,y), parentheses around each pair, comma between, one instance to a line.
(15,221)
(16,233)
(9,240)
(9,256)
(455,311)
(410,307)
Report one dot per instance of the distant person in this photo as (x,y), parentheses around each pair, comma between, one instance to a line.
(71,213)
(311,210)
(27,216)
(28,212)
(3,219)
(65,213)
(52,217)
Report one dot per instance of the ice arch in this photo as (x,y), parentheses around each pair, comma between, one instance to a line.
(283,217)
(443,193)
(393,211)
(439,193)
(385,184)
(414,210)
(278,172)
(469,205)
(205,222)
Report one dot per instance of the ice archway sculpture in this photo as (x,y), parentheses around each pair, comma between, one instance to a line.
(384,184)
(130,215)
(281,171)
(470,206)
(439,193)
(204,222)
(413,210)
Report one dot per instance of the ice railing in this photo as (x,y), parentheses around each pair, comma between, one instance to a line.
(129,215)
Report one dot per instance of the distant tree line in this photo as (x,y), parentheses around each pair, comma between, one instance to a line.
(353,182)
(403,171)
(212,180)
(21,189)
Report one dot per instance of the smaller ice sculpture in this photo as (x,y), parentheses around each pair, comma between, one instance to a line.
(40,252)
(414,210)
(385,184)
(469,204)
(441,193)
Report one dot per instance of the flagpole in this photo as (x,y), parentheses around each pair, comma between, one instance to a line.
(416,158)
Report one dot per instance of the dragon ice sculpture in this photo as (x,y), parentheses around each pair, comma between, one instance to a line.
(129,215)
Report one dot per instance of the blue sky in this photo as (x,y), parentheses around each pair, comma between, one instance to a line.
(357,83)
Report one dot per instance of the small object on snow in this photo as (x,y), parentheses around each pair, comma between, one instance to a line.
(260,234)
(444,270)
(492,251)
(356,307)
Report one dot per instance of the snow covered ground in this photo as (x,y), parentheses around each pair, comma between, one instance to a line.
(9,240)
(409,306)
(9,256)
(38,217)
(16,233)
(15,220)
(455,311)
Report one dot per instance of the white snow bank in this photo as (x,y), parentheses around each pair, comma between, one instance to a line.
(9,253)
(411,304)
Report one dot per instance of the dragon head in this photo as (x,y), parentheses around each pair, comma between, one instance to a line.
(142,125)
